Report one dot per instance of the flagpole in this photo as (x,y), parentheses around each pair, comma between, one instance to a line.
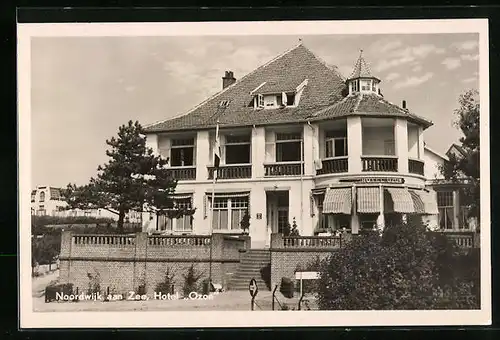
(214,177)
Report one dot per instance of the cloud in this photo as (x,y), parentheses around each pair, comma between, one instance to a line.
(466,45)
(392,76)
(469,57)
(417,68)
(451,63)
(414,81)
(391,45)
(387,64)
(469,80)
(407,55)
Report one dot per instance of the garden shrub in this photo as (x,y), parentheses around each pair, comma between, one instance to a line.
(167,285)
(407,267)
(191,279)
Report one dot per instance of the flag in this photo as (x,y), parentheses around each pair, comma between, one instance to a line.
(216,150)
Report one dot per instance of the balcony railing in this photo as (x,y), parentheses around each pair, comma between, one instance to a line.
(232,171)
(380,163)
(333,166)
(284,169)
(416,166)
(183,173)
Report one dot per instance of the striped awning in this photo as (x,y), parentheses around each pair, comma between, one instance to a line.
(338,201)
(369,200)
(402,200)
(424,202)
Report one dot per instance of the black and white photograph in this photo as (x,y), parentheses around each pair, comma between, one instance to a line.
(216,174)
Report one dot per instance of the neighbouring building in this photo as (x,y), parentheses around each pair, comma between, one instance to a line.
(46,200)
(301,144)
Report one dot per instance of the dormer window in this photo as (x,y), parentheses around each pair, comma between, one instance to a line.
(260,100)
(361,79)
(366,85)
(272,101)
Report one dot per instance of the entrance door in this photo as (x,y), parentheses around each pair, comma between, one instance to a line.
(277,211)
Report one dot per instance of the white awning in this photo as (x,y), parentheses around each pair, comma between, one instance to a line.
(338,201)
(424,202)
(402,200)
(368,200)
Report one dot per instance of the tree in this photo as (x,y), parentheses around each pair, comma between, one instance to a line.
(133,179)
(406,267)
(465,168)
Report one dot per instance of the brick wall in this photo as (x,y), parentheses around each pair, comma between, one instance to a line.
(288,253)
(123,262)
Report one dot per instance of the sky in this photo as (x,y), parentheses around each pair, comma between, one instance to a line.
(84,88)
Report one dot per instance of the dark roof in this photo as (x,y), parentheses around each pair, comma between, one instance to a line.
(367,104)
(361,69)
(323,97)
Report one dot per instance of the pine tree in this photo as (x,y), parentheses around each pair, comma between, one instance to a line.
(133,179)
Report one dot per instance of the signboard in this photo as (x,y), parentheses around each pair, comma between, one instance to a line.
(388,180)
(307,275)
(252,288)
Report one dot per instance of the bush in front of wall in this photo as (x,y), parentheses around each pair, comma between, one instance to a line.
(191,279)
(167,285)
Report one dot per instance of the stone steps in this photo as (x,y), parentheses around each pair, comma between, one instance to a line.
(252,263)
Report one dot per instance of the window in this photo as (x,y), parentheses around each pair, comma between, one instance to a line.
(290,99)
(260,100)
(368,221)
(366,85)
(228,212)
(389,148)
(42,196)
(184,223)
(41,210)
(445,209)
(335,144)
(374,87)
(224,103)
(237,149)
(288,147)
(182,152)
(33,195)
(355,86)
(464,219)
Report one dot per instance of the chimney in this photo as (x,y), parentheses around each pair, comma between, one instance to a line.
(404,104)
(228,79)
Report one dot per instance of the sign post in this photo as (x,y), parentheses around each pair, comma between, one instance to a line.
(253,289)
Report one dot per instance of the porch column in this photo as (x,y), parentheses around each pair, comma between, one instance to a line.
(380,218)
(456,210)
(401,141)
(420,142)
(307,150)
(354,144)
(258,151)
(354,216)
(202,155)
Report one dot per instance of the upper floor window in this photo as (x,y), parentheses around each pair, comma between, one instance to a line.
(237,149)
(224,103)
(182,152)
(42,196)
(33,195)
(354,86)
(445,209)
(270,101)
(366,85)
(335,144)
(288,147)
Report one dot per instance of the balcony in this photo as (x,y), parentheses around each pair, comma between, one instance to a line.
(416,166)
(284,169)
(184,173)
(379,163)
(333,166)
(233,171)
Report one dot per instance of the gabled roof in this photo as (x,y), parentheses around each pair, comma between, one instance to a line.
(361,68)
(457,147)
(367,104)
(440,155)
(323,97)
(284,73)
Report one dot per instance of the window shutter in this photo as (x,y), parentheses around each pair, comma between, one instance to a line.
(195,139)
(222,139)
(311,204)
(205,206)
